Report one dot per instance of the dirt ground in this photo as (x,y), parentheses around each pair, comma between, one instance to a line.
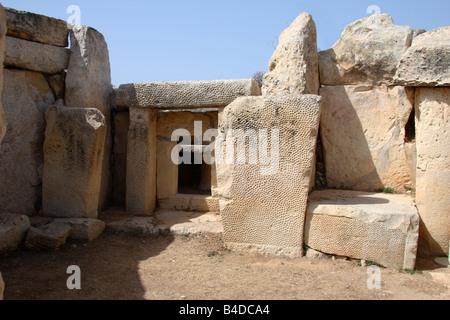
(197,267)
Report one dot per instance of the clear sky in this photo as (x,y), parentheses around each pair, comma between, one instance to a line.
(208,39)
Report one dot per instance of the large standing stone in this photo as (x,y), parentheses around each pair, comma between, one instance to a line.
(2,56)
(13,229)
(294,67)
(88,85)
(433,167)
(185,94)
(383,228)
(363,133)
(427,61)
(36,56)
(36,27)
(141,162)
(368,52)
(73,150)
(25,97)
(263,201)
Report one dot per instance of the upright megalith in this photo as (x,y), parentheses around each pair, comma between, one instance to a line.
(368,52)
(294,67)
(267,152)
(427,61)
(88,85)
(363,134)
(73,154)
(433,167)
(2,56)
(141,162)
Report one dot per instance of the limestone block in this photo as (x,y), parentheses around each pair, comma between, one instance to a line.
(368,52)
(73,150)
(184,94)
(134,226)
(25,98)
(2,56)
(141,162)
(294,67)
(36,56)
(189,202)
(84,230)
(13,229)
(363,133)
(383,228)
(433,167)
(263,203)
(36,27)
(88,85)
(49,237)
(426,62)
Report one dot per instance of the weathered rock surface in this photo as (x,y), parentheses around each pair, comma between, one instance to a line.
(13,229)
(263,206)
(2,286)
(363,135)
(368,52)
(36,56)
(84,230)
(36,27)
(73,150)
(184,94)
(427,62)
(135,226)
(383,228)
(141,162)
(49,237)
(294,67)
(189,202)
(25,98)
(433,167)
(88,85)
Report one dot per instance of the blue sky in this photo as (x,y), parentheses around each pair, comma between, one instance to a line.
(229,39)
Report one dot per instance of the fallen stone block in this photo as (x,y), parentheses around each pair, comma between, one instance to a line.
(36,56)
(73,155)
(263,202)
(294,67)
(383,228)
(367,52)
(36,27)
(184,94)
(84,230)
(49,237)
(13,229)
(426,63)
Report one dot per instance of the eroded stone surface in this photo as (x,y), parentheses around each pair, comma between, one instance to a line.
(263,210)
(426,62)
(13,229)
(36,56)
(49,237)
(184,94)
(368,52)
(2,56)
(25,98)
(363,135)
(433,167)
(73,149)
(383,228)
(294,67)
(36,27)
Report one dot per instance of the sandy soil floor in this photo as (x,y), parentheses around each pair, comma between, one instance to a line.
(198,267)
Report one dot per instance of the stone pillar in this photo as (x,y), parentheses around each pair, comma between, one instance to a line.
(141,162)
(73,153)
(433,167)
